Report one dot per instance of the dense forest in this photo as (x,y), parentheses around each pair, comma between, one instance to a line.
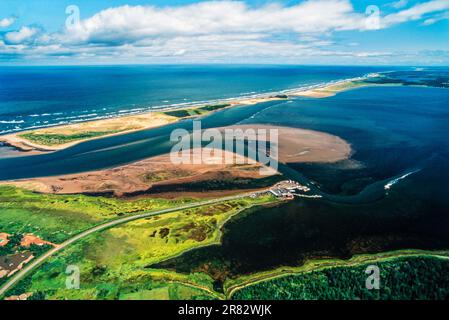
(400,279)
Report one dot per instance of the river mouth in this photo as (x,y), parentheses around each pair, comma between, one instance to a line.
(262,239)
(377,149)
(392,193)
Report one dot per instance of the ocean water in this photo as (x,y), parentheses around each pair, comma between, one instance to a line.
(33,97)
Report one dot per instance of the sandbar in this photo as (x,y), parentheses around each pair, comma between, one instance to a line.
(142,177)
(300,145)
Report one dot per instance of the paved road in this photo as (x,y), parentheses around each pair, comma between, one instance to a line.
(22,273)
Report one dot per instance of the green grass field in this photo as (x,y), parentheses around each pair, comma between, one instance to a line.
(56,218)
(58,139)
(191,112)
(114,263)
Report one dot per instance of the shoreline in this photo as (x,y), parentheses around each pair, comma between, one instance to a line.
(23,145)
(313,265)
(149,120)
(26,146)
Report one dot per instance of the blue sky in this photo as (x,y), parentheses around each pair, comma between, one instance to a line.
(384,32)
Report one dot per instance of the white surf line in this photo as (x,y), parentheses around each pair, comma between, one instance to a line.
(394,181)
(176,106)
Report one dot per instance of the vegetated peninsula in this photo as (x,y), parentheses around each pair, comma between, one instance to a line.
(64,136)
(61,137)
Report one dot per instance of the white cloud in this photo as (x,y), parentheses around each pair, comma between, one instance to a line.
(24,34)
(398,4)
(217,31)
(6,22)
(132,23)
(416,12)
(436,18)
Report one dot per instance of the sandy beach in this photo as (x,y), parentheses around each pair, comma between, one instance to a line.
(331,89)
(111,127)
(142,176)
(32,141)
(45,139)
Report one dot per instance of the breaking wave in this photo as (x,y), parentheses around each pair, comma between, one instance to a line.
(396,180)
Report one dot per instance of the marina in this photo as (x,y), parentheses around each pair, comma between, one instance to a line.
(287,189)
